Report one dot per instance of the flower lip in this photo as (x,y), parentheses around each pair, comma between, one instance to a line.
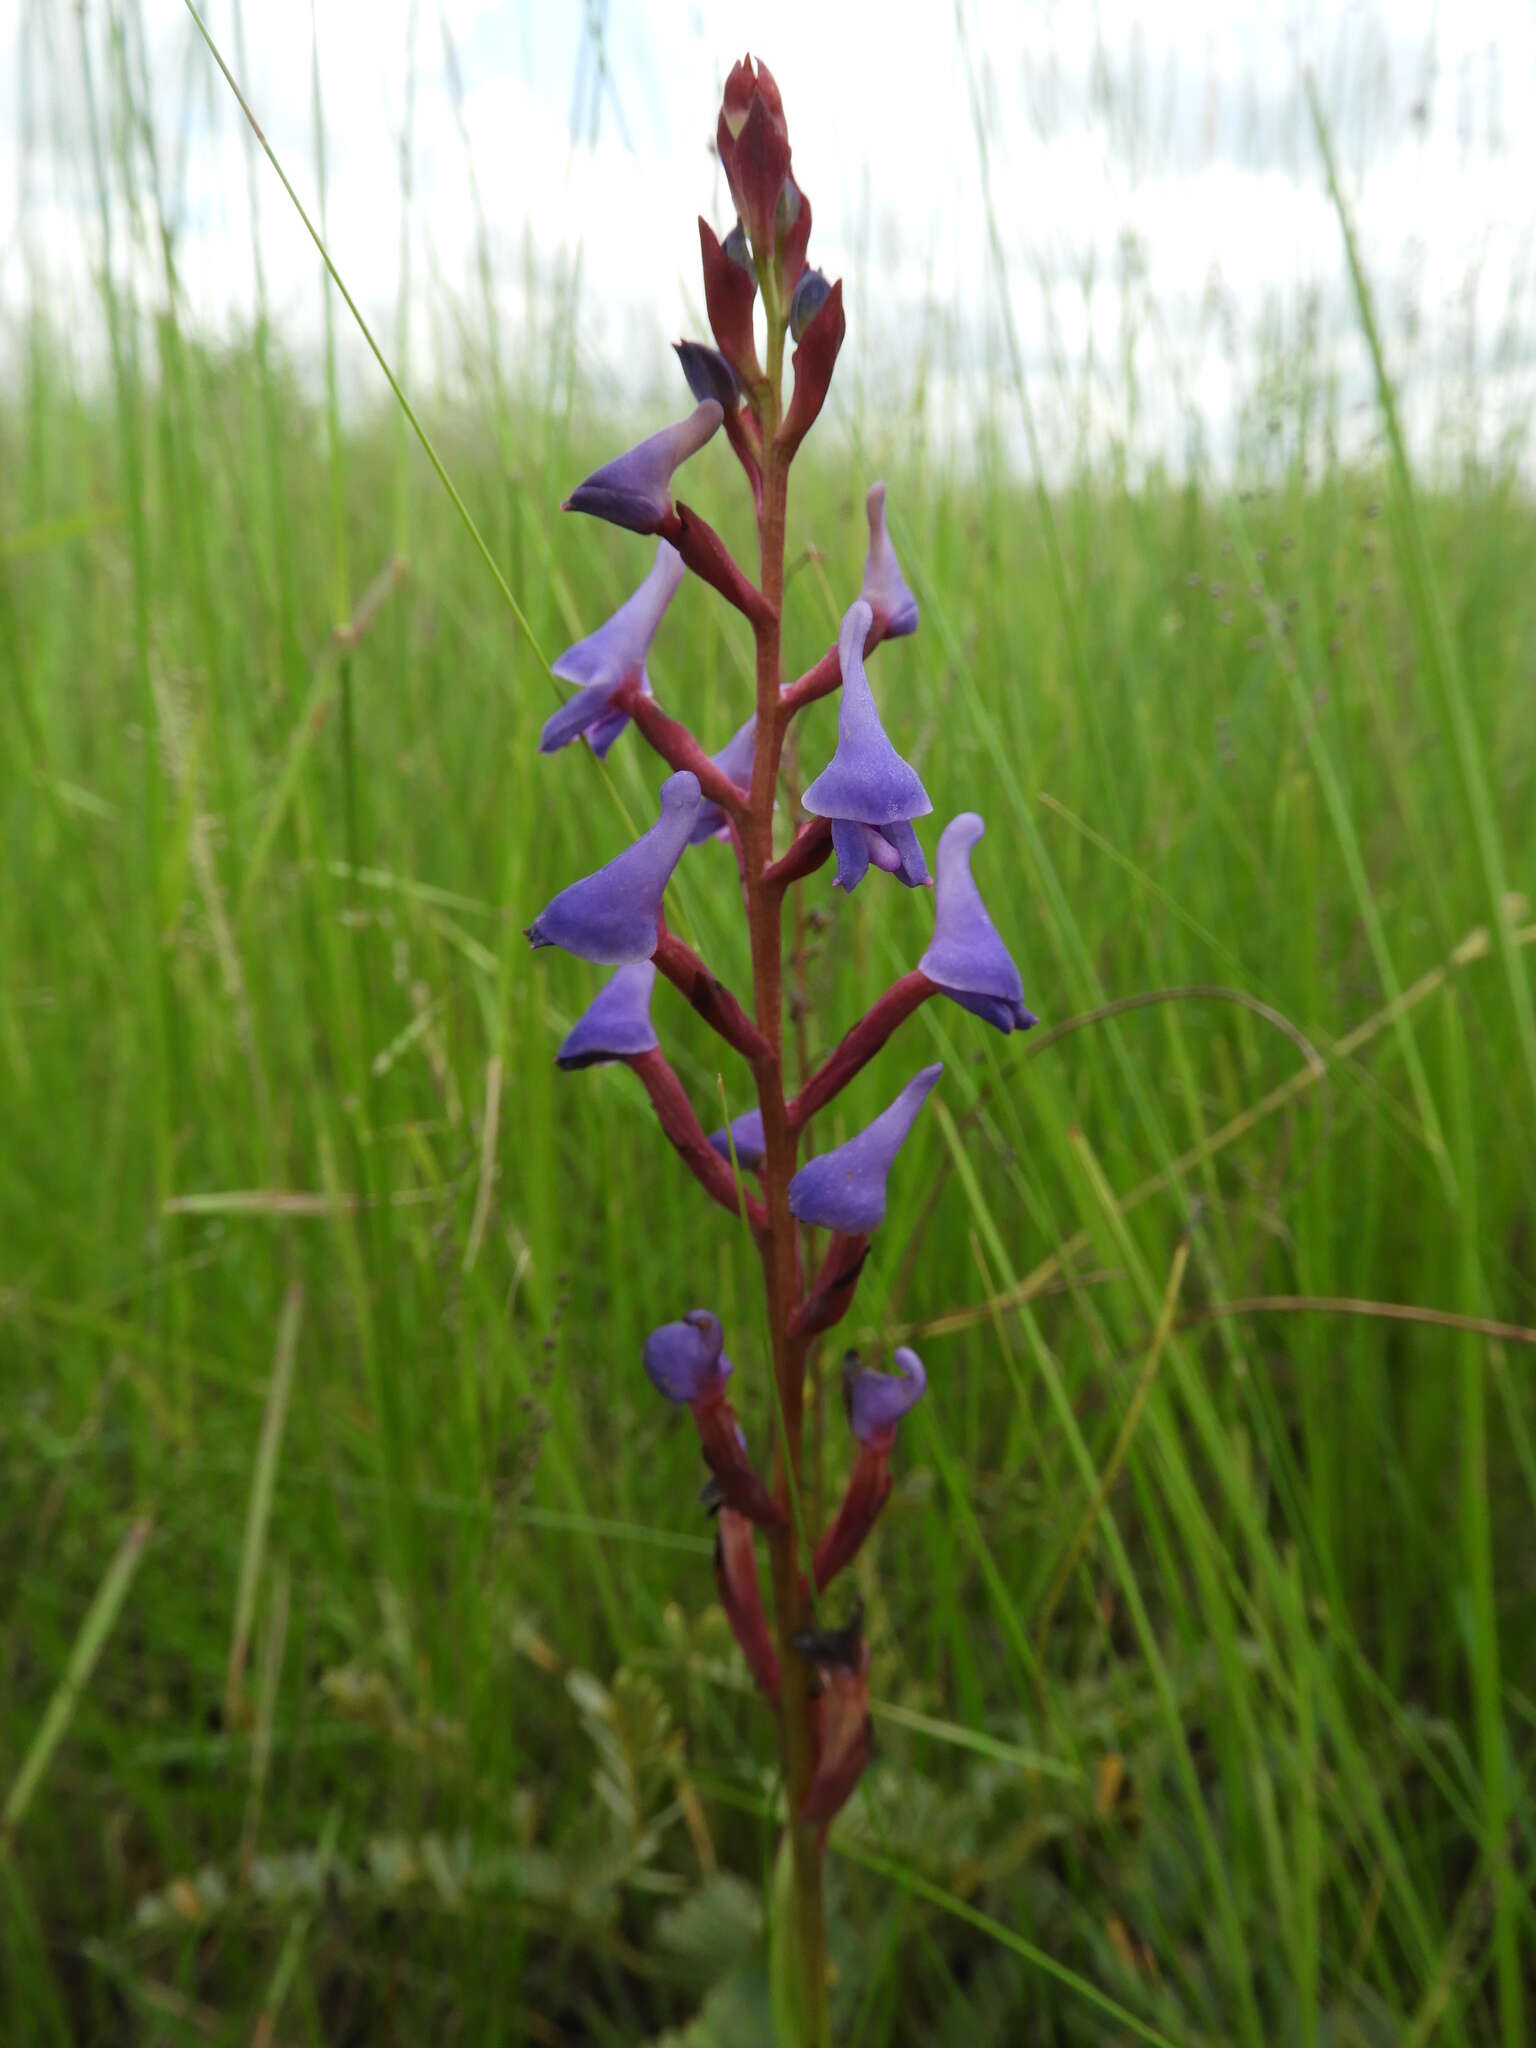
(965,957)
(709,375)
(616,1025)
(844,1189)
(866,781)
(607,659)
(876,1401)
(613,915)
(635,489)
(685,1361)
(745,1137)
(885,588)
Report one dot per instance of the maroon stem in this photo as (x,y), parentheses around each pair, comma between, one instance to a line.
(860,1045)
(819,681)
(811,845)
(707,555)
(711,998)
(678,747)
(675,1114)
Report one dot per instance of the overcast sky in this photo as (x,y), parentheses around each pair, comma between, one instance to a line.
(1153,172)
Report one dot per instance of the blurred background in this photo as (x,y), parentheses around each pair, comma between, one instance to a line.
(360,1678)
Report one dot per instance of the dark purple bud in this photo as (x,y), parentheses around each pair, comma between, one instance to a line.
(686,1361)
(614,916)
(617,1023)
(867,783)
(611,657)
(965,957)
(810,296)
(634,490)
(734,761)
(735,246)
(885,588)
(709,374)
(844,1189)
(876,1401)
(745,1139)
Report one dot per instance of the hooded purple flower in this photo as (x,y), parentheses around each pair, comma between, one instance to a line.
(867,790)
(966,958)
(612,656)
(709,375)
(686,1361)
(612,916)
(745,1138)
(734,761)
(885,588)
(634,490)
(844,1189)
(616,1025)
(876,1401)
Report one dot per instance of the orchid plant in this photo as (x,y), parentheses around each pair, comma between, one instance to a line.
(860,810)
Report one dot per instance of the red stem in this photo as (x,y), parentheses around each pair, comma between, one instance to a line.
(711,998)
(707,555)
(678,747)
(675,1114)
(860,1045)
(811,846)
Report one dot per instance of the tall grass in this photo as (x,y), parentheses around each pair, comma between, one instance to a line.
(1205,1642)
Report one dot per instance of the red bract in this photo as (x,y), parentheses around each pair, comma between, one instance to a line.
(729,294)
(815,360)
(753,142)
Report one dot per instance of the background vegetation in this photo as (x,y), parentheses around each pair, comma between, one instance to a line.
(359,1673)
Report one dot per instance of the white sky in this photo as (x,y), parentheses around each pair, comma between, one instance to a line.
(1153,170)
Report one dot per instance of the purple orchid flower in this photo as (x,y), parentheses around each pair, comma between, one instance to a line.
(709,375)
(616,1025)
(876,1401)
(867,790)
(745,1138)
(844,1189)
(612,656)
(613,916)
(686,1360)
(966,958)
(885,588)
(634,490)
(734,761)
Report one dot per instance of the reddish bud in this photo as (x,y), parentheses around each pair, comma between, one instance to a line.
(753,142)
(729,292)
(869,1488)
(815,360)
(741,1595)
(844,1741)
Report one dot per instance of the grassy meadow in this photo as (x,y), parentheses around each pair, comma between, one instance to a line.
(360,1675)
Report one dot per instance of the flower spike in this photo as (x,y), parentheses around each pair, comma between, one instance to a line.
(844,1189)
(965,958)
(616,1025)
(635,489)
(609,658)
(734,761)
(885,588)
(867,790)
(614,915)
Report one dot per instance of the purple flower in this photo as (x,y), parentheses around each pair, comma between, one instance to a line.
(709,375)
(810,295)
(686,1361)
(876,1401)
(745,1138)
(867,790)
(613,916)
(844,1189)
(966,958)
(617,1023)
(734,761)
(885,588)
(634,490)
(612,656)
